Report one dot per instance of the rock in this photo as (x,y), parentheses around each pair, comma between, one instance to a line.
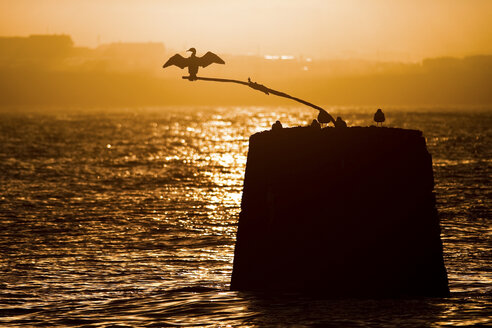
(340,212)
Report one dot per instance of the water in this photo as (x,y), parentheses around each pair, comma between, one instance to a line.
(127,217)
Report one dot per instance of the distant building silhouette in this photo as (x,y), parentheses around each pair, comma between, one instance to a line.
(35,48)
(59,52)
(74,74)
(131,56)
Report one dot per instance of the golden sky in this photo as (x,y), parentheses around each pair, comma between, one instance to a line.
(372,29)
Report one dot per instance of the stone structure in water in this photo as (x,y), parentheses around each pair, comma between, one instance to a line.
(344,212)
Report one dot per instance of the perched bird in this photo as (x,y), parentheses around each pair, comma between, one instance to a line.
(193,62)
(339,123)
(379,117)
(276,126)
(324,117)
(315,125)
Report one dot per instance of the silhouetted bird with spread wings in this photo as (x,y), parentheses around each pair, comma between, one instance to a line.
(193,62)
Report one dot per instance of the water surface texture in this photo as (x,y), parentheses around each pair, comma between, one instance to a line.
(127,217)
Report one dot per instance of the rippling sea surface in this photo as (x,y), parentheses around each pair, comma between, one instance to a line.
(127,217)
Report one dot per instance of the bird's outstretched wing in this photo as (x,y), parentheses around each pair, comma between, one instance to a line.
(210,58)
(177,60)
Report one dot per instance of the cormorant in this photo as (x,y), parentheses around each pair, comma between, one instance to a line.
(193,62)
(379,117)
(339,123)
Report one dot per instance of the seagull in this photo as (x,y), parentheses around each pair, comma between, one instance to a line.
(379,117)
(324,117)
(277,126)
(339,123)
(315,125)
(193,62)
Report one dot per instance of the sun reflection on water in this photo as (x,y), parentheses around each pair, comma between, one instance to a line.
(109,216)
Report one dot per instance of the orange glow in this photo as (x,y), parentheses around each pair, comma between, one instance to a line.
(378,29)
(338,52)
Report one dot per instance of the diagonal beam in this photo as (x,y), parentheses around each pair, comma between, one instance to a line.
(264,89)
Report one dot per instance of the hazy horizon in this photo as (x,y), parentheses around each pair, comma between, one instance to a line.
(48,69)
(380,30)
(351,52)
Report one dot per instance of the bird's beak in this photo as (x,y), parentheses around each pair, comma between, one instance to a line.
(189,50)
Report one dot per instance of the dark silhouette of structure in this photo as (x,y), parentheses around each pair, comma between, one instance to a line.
(379,117)
(265,90)
(336,239)
(339,123)
(193,62)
